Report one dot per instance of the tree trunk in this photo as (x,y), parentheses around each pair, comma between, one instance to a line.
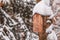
(1,19)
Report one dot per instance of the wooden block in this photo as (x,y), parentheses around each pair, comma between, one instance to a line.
(38,1)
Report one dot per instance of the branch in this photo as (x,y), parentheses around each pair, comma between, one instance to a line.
(8,17)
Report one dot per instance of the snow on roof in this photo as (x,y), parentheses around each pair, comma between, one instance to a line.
(42,9)
(57,1)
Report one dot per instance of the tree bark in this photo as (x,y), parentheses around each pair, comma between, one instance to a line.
(1,19)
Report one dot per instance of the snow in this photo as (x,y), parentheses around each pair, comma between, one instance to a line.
(47,2)
(35,37)
(8,17)
(52,35)
(19,18)
(57,1)
(9,32)
(28,0)
(1,29)
(6,38)
(48,21)
(49,29)
(32,36)
(1,34)
(53,15)
(24,0)
(42,9)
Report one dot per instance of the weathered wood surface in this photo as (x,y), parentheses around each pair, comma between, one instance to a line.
(40,25)
(1,4)
(38,1)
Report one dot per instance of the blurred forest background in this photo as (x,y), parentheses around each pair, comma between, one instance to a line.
(16,20)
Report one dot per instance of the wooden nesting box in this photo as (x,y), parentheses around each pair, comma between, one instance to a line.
(39,25)
(1,4)
(38,1)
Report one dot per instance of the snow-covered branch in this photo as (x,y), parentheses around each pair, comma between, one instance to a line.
(54,13)
(8,17)
(51,33)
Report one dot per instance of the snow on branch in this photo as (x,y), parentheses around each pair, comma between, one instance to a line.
(51,33)
(8,17)
(54,13)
